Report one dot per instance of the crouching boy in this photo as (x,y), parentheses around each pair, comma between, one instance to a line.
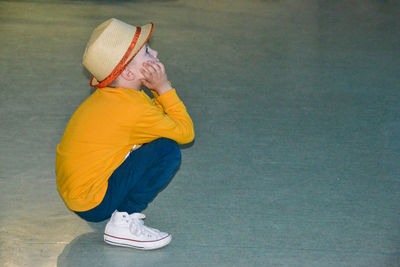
(120,147)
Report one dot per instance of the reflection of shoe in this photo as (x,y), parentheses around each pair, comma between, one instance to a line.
(129,231)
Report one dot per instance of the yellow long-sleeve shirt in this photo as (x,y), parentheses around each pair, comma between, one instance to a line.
(104,129)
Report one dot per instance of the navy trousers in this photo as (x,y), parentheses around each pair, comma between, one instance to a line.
(138,180)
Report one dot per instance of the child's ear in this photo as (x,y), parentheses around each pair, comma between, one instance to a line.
(128,75)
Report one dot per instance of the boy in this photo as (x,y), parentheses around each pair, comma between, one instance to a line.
(119,149)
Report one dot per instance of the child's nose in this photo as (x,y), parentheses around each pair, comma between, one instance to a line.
(155,53)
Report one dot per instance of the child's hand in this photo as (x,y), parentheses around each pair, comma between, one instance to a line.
(155,77)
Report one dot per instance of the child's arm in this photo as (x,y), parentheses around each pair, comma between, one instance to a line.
(155,79)
(156,102)
(172,120)
(155,99)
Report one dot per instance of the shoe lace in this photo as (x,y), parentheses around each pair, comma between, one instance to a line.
(137,226)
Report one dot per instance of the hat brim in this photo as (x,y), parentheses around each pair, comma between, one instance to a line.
(144,36)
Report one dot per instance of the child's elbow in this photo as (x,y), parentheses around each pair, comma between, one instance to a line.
(187,137)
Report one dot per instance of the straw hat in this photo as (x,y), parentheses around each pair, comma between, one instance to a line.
(111,47)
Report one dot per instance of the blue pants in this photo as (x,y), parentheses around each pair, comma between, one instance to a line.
(138,180)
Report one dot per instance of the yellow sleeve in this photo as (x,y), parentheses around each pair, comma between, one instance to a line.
(172,122)
(156,102)
(155,99)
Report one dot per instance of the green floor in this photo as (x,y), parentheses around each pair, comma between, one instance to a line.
(296,107)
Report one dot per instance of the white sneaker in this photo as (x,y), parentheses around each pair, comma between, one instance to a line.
(129,231)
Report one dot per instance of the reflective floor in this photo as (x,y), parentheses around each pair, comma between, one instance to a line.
(296,110)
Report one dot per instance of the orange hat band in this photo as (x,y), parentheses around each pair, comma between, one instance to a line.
(121,65)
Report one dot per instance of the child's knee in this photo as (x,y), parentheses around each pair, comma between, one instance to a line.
(172,150)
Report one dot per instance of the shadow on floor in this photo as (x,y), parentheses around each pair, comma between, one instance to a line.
(81,250)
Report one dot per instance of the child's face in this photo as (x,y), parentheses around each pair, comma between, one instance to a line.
(145,54)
